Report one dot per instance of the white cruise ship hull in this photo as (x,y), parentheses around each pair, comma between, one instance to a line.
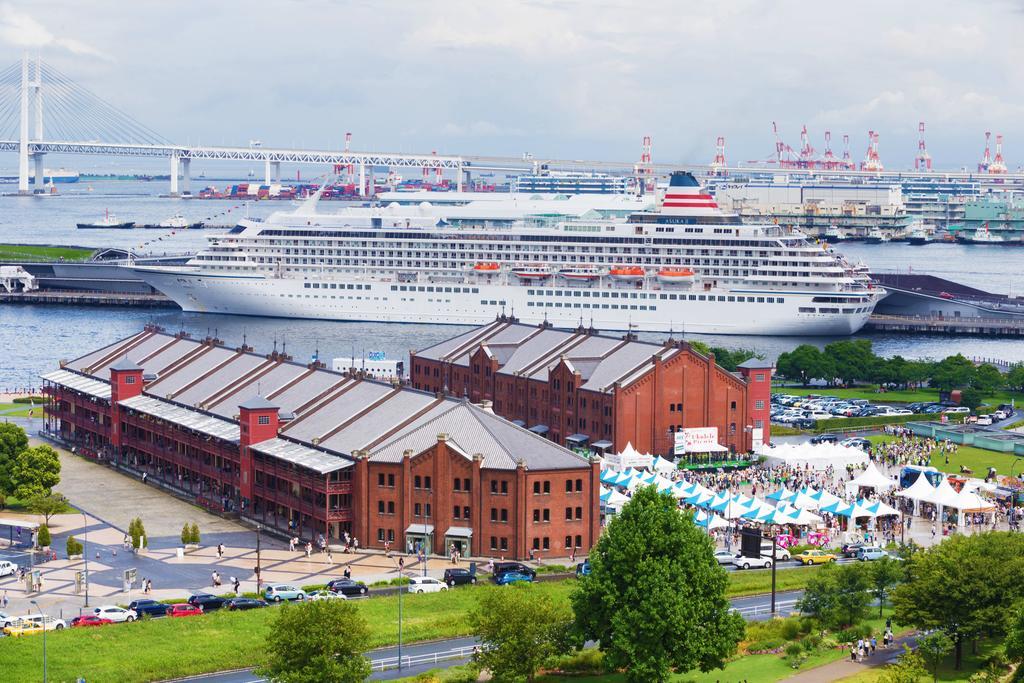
(733,312)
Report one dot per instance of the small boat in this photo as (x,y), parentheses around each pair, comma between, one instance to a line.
(178,221)
(108,222)
(876,236)
(918,236)
(834,234)
(675,275)
(583,273)
(486,267)
(532,273)
(985,236)
(628,273)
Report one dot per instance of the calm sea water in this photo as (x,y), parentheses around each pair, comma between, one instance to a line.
(35,338)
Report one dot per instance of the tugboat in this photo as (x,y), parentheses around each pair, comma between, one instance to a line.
(919,235)
(876,236)
(178,221)
(107,223)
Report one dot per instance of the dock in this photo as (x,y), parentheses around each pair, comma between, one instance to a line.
(966,325)
(76,298)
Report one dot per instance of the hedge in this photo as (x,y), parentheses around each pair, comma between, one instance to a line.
(841,423)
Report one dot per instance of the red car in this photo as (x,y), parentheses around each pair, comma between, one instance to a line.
(90,620)
(184,610)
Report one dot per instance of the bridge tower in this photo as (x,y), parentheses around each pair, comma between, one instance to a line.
(31,107)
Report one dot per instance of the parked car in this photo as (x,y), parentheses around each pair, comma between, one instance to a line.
(458,577)
(6,620)
(209,603)
(89,620)
(825,438)
(502,567)
(183,609)
(276,592)
(867,553)
(510,577)
(744,562)
(583,568)
(426,584)
(958,410)
(150,607)
(241,604)
(851,549)
(31,624)
(809,557)
(780,552)
(325,595)
(347,587)
(725,556)
(8,568)
(984,420)
(856,442)
(115,614)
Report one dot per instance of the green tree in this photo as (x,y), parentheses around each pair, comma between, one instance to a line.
(318,641)
(987,379)
(35,472)
(885,573)
(1015,378)
(13,442)
(962,586)
(952,372)
(137,532)
(186,534)
(919,372)
(48,506)
(909,668)
(43,539)
(520,629)
(837,595)
(194,533)
(655,597)
(730,359)
(934,648)
(804,363)
(73,546)
(971,398)
(854,359)
(1014,642)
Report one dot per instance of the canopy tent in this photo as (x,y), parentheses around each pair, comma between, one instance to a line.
(709,521)
(871,478)
(876,508)
(700,488)
(815,456)
(608,476)
(614,499)
(921,489)
(660,464)
(630,457)
(823,498)
(972,502)
(781,494)
(946,495)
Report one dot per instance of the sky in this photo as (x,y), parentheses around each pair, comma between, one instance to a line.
(571,79)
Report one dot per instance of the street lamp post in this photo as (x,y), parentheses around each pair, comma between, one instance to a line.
(85,556)
(401,566)
(428,536)
(259,573)
(43,624)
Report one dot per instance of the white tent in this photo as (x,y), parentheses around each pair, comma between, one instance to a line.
(972,502)
(946,495)
(630,457)
(871,478)
(921,489)
(815,456)
(660,464)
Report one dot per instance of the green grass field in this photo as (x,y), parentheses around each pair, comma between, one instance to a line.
(20,410)
(26,252)
(976,459)
(168,648)
(871,393)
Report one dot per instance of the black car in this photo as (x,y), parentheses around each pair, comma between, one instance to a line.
(858,442)
(243,604)
(805,423)
(458,577)
(851,549)
(150,607)
(825,438)
(208,602)
(867,411)
(347,587)
(502,567)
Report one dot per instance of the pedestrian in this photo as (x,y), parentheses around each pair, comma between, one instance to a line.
(309,549)
(144,477)
(853,653)
(291,545)
(348,571)
(216,579)
(330,557)
(874,644)
(3,601)
(149,586)
(220,550)
(236,584)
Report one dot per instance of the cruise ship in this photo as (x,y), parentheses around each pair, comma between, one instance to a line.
(678,265)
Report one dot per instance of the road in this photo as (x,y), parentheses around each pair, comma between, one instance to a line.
(421,657)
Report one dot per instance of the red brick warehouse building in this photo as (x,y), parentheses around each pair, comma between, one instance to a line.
(583,388)
(305,450)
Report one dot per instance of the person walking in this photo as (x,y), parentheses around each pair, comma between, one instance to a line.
(348,572)
(236,584)
(216,579)
(3,600)
(874,644)
(220,551)
(309,549)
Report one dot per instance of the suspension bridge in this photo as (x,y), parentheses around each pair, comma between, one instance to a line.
(43,111)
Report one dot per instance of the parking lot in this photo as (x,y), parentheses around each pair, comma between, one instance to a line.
(805,412)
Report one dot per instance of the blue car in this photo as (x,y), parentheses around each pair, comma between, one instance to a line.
(583,569)
(276,592)
(509,578)
(868,553)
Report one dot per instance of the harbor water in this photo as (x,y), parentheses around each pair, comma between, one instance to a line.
(35,338)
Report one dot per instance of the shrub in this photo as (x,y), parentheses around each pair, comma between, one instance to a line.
(186,534)
(807,624)
(194,533)
(31,400)
(794,650)
(812,642)
(588,661)
(137,532)
(765,645)
(790,629)
(43,536)
(74,547)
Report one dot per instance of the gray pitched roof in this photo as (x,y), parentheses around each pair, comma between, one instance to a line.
(756,364)
(124,364)
(257,402)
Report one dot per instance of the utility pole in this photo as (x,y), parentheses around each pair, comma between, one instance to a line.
(85,556)
(775,543)
(259,575)
(43,624)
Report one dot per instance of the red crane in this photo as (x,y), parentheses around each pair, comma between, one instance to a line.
(986,158)
(828,159)
(923,160)
(872,162)
(718,166)
(998,165)
(806,151)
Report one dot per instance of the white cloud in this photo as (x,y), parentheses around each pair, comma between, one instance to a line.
(22,30)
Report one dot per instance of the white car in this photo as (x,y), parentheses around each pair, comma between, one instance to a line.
(326,595)
(742,562)
(959,410)
(1000,414)
(725,556)
(426,584)
(7,568)
(780,552)
(900,411)
(818,415)
(115,614)
(984,420)
(6,620)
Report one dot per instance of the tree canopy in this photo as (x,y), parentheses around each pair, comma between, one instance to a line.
(35,472)
(13,442)
(838,595)
(805,363)
(655,596)
(520,628)
(318,641)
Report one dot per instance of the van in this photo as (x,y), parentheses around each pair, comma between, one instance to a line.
(502,567)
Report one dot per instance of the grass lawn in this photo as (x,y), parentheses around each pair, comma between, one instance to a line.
(870,392)
(27,252)
(20,410)
(168,648)
(977,459)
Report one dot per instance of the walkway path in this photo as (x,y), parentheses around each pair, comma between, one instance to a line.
(844,668)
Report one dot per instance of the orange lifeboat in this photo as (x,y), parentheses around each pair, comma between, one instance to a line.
(487,267)
(675,275)
(627,273)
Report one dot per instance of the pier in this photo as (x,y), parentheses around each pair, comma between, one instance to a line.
(912,324)
(68,298)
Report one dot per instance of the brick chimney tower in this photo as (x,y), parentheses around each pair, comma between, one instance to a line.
(258,420)
(125,383)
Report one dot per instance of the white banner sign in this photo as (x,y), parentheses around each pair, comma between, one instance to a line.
(697,440)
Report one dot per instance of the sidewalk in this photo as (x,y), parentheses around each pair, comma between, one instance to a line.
(844,668)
